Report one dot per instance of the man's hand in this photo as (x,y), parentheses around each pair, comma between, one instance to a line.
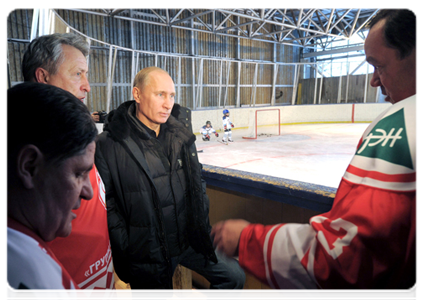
(95,116)
(226,235)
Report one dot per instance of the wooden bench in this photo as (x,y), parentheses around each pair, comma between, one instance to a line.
(182,280)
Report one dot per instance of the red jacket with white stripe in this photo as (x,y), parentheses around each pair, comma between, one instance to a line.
(368,238)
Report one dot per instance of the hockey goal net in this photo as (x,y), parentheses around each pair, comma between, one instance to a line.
(263,122)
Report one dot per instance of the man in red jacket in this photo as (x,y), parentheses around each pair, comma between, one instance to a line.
(60,60)
(368,238)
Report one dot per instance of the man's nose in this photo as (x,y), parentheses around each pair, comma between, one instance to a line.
(169,101)
(87,190)
(375,81)
(86,85)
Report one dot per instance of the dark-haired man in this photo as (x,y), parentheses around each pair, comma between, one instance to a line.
(391,49)
(368,238)
(50,155)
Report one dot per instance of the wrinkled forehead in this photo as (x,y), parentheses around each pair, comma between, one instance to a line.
(73,58)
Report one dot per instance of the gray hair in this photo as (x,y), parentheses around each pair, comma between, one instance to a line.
(46,52)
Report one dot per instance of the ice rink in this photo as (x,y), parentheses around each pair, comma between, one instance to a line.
(313,153)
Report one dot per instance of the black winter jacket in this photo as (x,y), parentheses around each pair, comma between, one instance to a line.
(135,216)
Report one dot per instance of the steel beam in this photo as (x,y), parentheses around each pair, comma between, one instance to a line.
(335,51)
(190,17)
(116,12)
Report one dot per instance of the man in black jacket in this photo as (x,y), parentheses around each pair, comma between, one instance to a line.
(156,201)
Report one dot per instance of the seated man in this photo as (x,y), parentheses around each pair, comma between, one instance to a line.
(48,175)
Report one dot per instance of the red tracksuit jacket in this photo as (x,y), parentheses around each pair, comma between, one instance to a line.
(368,238)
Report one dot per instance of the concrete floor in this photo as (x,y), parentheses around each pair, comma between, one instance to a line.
(313,153)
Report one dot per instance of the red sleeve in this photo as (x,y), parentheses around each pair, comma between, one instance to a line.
(366,240)
(344,248)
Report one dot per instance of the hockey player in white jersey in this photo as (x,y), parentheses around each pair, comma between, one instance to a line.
(227,125)
(207,131)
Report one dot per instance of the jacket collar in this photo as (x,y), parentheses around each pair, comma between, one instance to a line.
(121,121)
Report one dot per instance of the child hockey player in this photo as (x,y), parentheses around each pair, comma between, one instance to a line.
(207,130)
(227,125)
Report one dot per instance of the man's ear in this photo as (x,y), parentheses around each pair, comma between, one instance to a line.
(41,75)
(137,94)
(29,162)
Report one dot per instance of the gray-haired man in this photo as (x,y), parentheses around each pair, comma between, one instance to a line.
(60,60)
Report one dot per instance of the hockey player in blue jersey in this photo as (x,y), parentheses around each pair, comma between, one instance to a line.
(207,130)
(227,125)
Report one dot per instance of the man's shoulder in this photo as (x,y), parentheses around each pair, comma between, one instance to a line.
(183,115)
(18,246)
(103,136)
(116,125)
(386,156)
(105,144)
(103,139)
(26,269)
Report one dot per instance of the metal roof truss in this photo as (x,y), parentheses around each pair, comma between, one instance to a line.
(295,27)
